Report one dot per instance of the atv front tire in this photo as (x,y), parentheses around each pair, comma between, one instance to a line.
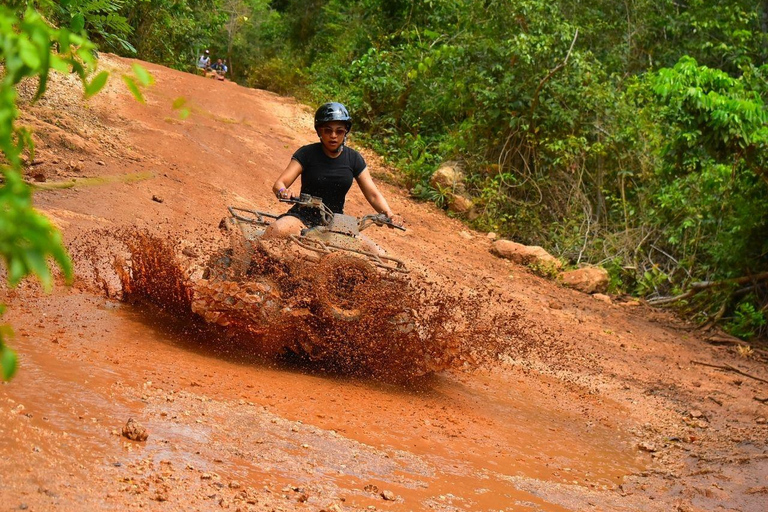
(343,285)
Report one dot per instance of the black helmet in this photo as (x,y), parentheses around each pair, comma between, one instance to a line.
(332,112)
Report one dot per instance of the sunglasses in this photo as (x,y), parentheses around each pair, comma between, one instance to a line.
(328,131)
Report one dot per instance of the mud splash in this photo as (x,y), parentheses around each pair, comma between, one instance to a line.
(399,329)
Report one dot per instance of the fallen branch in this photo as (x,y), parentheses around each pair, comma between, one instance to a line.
(54,185)
(703,285)
(724,339)
(761,400)
(90,182)
(730,459)
(761,355)
(668,300)
(700,286)
(713,321)
(730,368)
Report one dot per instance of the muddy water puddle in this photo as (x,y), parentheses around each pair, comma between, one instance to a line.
(480,441)
(66,394)
(465,441)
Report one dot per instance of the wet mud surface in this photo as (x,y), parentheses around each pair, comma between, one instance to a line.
(541,398)
(457,441)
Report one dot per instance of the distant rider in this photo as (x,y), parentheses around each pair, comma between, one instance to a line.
(327,169)
(220,68)
(204,62)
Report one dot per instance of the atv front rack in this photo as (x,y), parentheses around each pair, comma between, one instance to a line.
(258,217)
(260,220)
(381,261)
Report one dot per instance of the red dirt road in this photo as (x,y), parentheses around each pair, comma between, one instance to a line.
(589,406)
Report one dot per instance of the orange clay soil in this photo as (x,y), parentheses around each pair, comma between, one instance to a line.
(570,403)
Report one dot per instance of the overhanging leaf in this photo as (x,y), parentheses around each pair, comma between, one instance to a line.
(29,54)
(7,362)
(96,84)
(143,75)
(180,105)
(78,23)
(133,88)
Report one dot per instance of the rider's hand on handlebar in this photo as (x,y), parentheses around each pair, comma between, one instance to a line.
(395,219)
(283,193)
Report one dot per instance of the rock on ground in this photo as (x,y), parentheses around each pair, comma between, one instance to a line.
(449,175)
(459,203)
(135,431)
(524,254)
(587,280)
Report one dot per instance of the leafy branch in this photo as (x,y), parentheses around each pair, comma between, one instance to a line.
(27,238)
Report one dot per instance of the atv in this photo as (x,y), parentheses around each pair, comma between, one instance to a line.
(337,234)
(326,293)
(344,263)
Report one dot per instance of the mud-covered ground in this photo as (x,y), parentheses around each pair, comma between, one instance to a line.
(553,400)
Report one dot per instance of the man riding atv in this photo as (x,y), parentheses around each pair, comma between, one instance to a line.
(315,289)
(327,169)
(307,282)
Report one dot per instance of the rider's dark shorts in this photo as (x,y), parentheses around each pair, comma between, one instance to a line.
(309,216)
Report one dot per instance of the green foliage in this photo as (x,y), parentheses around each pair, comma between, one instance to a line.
(180,105)
(100,19)
(545,269)
(620,277)
(175,32)
(651,34)
(711,182)
(747,321)
(28,239)
(141,78)
(7,356)
(438,195)
(651,281)
(170,32)
(729,35)
(276,75)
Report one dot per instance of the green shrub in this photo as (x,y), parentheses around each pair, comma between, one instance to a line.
(747,321)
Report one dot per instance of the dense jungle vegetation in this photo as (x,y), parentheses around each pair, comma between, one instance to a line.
(629,134)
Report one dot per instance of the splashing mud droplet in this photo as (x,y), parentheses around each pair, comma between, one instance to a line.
(338,314)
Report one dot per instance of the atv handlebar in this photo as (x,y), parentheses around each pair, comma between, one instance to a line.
(379,219)
(304,200)
(308,201)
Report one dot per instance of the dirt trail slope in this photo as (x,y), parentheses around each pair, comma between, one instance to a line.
(589,406)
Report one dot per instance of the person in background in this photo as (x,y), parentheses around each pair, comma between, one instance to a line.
(204,62)
(220,68)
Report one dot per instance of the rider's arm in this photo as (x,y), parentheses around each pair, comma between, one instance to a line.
(372,194)
(286,179)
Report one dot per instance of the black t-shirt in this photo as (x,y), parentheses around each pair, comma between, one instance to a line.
(326,177)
